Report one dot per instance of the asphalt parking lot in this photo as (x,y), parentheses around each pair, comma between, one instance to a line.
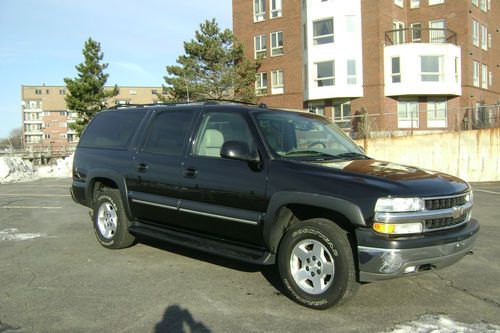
(55,277)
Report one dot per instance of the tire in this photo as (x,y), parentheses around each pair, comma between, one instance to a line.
(316,264)
(110,221)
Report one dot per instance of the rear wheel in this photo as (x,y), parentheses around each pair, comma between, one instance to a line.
(110,221)
(316,264)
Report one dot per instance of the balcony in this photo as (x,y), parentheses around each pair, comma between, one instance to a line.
(420,35)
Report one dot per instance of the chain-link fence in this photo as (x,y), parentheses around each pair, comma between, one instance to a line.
(410,121)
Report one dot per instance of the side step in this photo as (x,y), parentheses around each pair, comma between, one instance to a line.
(220,248)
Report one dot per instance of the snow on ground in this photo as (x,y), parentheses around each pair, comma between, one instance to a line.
(62,169)
(443,324)
(14,169)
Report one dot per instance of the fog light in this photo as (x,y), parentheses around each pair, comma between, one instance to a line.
(410,269)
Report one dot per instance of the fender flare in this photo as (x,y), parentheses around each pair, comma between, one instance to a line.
(275,222)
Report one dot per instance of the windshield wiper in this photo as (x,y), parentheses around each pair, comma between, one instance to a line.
(352,156)
(310,154)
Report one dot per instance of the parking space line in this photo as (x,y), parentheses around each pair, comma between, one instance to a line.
(32,195)
(29,207)
(485,191)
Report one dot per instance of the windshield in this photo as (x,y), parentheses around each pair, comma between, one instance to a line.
(303,135)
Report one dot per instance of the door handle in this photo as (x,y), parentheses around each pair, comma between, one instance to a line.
(190,173)
(142,167)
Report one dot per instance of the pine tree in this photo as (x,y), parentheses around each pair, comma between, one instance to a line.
(213,67)
(86,92)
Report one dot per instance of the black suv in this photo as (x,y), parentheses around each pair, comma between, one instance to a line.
(268,187)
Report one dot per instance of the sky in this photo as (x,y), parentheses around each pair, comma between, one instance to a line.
(41,41)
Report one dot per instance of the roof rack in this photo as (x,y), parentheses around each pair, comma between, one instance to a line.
(202,102)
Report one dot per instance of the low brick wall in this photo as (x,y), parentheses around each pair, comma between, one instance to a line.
(470,155)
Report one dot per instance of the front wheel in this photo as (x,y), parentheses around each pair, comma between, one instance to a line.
(316,264)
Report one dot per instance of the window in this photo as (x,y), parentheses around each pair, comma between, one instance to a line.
(490,78)
(350,23)
(408,114)
(46,125)
(490,44)
(276,8)
(475,73)
(62,136)
(47,91)
(398,35)
(122,102)
(351,72)
(431,68)
(325,73)
(414,3)
(484,38)
(489,4)
(217,128)
(342,114)
(32,104)
(63,113)
(483,5)
(62,92)
(475,3)
(112,129)
(437,31)
(46,136)
(416,32)
(38,91)
(317,107)
(475,33)
(277,82)
(259,10)
(323,31)
(435,2)
(260,46)
(484,76)
(399,3)
(46,113)
(437,113)
(396,70)
(261,84)
(132,92)
(154,92)
(63,124)
(168,133)
(276,43)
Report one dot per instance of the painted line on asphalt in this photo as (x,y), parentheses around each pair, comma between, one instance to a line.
(29,207)
(32,195)
(485,191)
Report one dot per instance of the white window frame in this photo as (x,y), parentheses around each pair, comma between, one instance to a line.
(63,136)
(484,76)
(326,78)
(475,33)
(343,119)
(396,76)
(435,2)
(475,73)
(433,107)
(412,29)
(483,6)
(261,84)
(484,37)
(259,10)
(316,39)
(398,36)
(414,4)
(276,49)
(439,73)
(277,82)
(490,78)
(352,79)
(276,9)
(411,120)
(399,3)
(475,3)
(437,36)
(263,46)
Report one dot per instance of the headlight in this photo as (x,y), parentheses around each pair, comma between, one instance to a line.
(469,197)
(397,205)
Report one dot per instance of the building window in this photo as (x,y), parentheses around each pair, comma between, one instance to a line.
(475,33)
(317,108)
(46,113)
(62,136)
(132,92)
(490,78)
(490,43)
(122,102)
(431,68)
(414,3)
(398,35)
(437,113)
(32,104)
(484,76)
(325,73)
(276,43)
(277,82)
(46,136)
(396,70)
(435,2)
(323,31)
(260,46)
(399,3)
(38,91)
(416,32)
(342,114)
(47,91)
(483,5)
(475,73)
(154,92)
(351,72)
(489,4)
(484,38)
(63,113)
(437,31)
(475,3)
(259,10)
(276,10)
(350,23)
(261,84)
(63,124)
(62,92)
(46,125)
(408,114)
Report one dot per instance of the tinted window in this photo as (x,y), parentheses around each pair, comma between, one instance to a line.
(169,133)
(112,129)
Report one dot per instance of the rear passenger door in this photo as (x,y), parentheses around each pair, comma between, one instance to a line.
(156,171)
(221,197)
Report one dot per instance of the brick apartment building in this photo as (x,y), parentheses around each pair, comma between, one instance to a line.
(415,60)
(46,118)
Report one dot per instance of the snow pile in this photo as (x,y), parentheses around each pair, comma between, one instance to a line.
(443,324)
(62,169)
(15,169)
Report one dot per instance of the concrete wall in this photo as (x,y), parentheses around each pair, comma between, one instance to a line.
(470,155)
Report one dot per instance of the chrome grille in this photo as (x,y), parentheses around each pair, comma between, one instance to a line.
(446,222)
(444,203)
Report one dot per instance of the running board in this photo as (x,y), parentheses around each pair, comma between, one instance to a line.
(220,248)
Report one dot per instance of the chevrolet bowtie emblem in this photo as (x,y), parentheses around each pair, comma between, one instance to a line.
(457,212)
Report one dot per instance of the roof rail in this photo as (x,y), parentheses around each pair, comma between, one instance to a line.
(202,102)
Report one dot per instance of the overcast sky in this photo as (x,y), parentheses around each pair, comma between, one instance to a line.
(41,41)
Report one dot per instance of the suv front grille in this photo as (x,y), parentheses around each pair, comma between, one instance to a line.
(446,222)
(444,203)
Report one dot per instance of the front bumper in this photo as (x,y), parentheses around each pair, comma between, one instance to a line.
(381,259)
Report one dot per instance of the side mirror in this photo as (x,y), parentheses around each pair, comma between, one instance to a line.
(238,150)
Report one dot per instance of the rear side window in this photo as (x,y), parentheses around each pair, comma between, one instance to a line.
(169,133)
(113,129)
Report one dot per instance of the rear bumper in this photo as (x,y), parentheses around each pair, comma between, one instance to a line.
(391,259)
